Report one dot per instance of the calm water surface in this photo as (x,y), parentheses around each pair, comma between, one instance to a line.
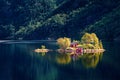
(18,61)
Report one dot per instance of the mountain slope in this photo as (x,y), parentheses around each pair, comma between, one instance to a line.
(71,23)
(43,19)
(108,27)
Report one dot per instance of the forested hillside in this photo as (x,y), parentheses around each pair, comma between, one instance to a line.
(43,19)
(108,27)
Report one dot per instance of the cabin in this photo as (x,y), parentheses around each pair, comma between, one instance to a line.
(79,51)
(74,44)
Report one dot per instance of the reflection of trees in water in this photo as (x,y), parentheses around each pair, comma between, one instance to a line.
(33,68)
(63,58)
(91,60)
(88,60)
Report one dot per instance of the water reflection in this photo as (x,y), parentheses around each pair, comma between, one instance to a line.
(19,62)
(88,60)
(63,58)
(91,60)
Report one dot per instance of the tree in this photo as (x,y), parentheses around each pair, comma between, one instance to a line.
(64,42)
(86,38)
(91,41)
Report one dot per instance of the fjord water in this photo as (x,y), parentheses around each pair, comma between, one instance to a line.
(18,61)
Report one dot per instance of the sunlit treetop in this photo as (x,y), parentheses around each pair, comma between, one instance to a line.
(64,42)
(91,40)
(88,41)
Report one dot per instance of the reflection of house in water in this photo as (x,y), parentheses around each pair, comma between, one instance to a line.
(88,57)
(89,60)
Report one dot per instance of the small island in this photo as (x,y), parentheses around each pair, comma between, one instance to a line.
(89,43)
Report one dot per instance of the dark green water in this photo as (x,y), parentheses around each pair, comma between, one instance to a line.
(18,61)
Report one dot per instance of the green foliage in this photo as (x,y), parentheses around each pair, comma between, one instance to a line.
(7,32)
(108,27)
(40,19)
(26,13)
(28,29)
(60,18)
